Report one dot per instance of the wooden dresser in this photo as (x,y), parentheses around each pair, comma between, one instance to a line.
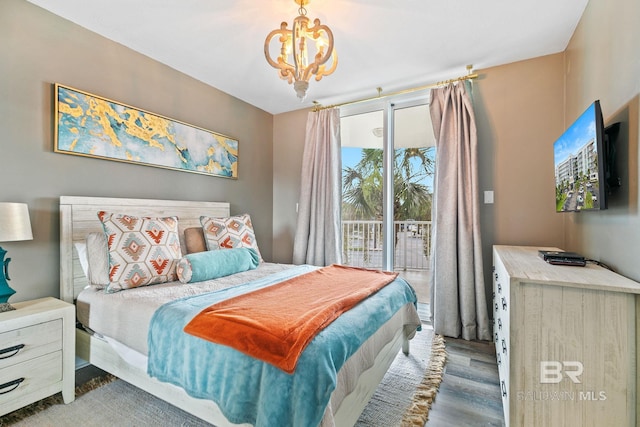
(565,341)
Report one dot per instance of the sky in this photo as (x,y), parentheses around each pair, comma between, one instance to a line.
(350,156)
(579,133)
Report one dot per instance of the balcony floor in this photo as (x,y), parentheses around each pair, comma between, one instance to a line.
(421,282)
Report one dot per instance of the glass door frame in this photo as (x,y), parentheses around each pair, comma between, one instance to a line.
(388,106)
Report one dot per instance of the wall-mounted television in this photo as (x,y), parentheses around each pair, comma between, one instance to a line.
(583,162)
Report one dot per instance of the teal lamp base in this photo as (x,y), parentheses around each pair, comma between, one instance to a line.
(5,289)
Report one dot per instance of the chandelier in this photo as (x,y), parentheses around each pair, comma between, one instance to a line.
(297,46)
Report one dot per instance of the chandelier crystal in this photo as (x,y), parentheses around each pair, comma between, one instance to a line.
(297,46)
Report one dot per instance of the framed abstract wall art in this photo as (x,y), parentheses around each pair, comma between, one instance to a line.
(92,126)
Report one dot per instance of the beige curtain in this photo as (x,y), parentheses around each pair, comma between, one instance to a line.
(458,300)
(317,239)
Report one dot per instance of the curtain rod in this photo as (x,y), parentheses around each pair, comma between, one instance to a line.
(470,76)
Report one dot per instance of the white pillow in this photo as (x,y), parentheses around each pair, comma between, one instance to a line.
(81,250)
(97,253)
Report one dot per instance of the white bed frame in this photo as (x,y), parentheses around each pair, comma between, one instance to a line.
(78,217)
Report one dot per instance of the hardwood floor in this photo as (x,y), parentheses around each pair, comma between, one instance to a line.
(469,394)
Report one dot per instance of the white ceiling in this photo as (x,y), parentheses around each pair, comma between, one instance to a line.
(392,44)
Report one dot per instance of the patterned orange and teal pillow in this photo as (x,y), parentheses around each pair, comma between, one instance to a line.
(142,250)
(227,233)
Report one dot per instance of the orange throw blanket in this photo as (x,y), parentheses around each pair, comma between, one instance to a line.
(276,323)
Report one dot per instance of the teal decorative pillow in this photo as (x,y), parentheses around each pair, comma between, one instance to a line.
(227,233)
(142,250)
(209,265)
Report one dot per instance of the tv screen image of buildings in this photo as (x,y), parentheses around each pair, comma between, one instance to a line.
(576,165)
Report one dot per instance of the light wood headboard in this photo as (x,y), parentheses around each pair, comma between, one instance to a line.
(78,217)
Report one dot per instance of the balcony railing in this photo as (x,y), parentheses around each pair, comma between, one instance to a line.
(362,244)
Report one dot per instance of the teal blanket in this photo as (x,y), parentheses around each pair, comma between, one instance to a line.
(248,390)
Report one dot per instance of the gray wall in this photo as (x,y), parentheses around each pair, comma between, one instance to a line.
(519,114)
(38,49)
(603,62)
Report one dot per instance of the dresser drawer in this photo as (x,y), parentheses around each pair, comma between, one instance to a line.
(26,343)
(29,381)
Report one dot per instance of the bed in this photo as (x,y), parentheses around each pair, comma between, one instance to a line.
(127,355)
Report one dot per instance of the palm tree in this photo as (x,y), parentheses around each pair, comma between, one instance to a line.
(362,184)
(412,198)
(362,187)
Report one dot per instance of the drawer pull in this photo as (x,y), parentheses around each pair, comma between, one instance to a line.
(499,288)
(504,346)
(499,359)
(504,303)
(504,389)
(13,350)
(500,324)
(14,384)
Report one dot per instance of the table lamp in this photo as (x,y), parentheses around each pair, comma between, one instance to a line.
(14,226)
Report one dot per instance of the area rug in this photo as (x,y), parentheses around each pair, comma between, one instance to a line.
(402,399)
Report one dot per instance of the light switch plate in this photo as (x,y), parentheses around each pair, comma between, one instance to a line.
(488,197)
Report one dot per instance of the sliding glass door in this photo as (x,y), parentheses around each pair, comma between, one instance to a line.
(362,189)
(388,159)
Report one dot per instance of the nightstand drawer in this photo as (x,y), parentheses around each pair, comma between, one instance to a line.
(29,342)
(29,381)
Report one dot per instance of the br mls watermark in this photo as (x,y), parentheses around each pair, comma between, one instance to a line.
(551,371)
(554,372)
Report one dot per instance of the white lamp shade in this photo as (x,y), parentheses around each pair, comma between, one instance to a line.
(14,222)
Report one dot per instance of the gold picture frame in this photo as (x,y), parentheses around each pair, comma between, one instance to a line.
(92,126)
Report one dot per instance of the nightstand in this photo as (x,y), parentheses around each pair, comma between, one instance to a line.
(37,352)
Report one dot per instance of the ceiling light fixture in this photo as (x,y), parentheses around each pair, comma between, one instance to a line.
(297,46)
